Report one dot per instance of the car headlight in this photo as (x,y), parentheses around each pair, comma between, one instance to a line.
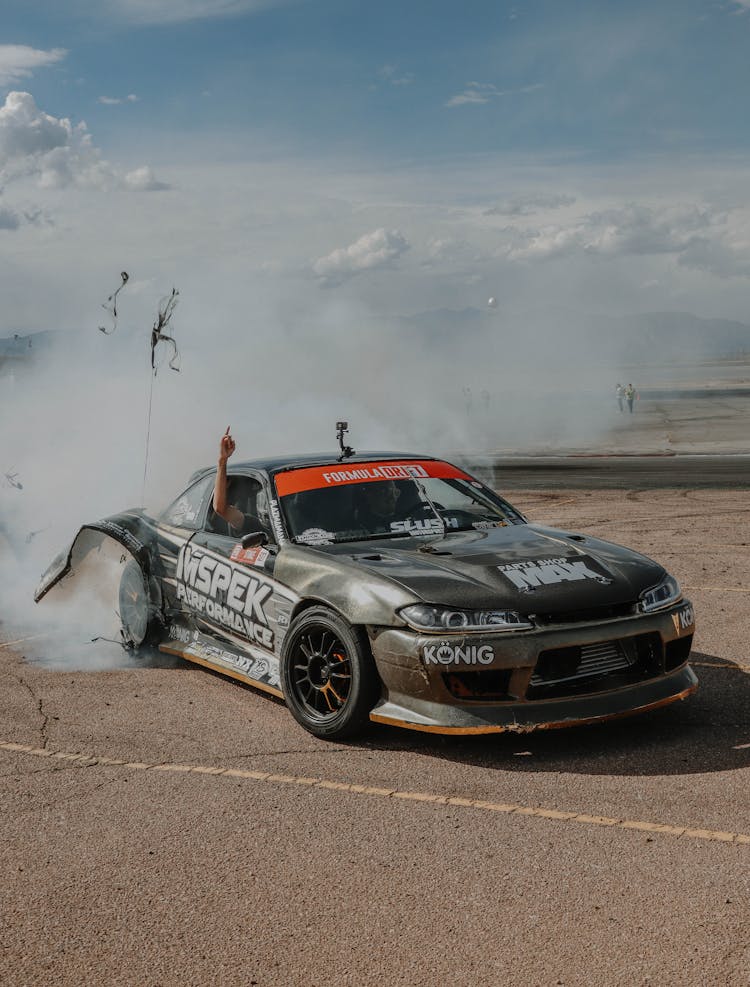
(438,620)
(663,595)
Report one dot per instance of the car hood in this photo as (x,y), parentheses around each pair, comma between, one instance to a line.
(523,567)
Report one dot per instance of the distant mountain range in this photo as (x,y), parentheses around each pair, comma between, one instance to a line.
(648,337)
(22,346)
(676,337)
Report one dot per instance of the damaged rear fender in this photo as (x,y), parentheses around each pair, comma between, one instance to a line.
(126,529)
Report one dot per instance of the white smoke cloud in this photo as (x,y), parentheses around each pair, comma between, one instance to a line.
(373,250)
(21,61)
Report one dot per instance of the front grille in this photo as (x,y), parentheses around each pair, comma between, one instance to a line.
(488,684)
(586,661)
(611,612)
(678,652)
(605,665)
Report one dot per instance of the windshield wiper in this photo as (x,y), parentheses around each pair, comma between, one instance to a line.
(384,534)
(354,537)
(423,490)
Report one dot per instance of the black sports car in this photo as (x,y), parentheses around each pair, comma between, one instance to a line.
(399,589)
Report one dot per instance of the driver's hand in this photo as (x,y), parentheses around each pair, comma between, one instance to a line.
(227,445)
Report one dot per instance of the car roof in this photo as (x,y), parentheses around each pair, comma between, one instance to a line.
(291,462)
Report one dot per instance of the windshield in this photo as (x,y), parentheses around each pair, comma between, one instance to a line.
(354,502)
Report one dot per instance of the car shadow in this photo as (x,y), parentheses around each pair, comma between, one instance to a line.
(708,732)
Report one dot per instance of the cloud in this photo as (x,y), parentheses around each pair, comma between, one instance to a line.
(391,75)
(633,229)
(117,100)
(721,258)
(50,150)
(33,143)
(143,180)
(373,250)
(527,205)
(20,61)
(177,11)
(478,93)
(696,237)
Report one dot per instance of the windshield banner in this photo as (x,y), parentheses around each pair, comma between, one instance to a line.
(340,474)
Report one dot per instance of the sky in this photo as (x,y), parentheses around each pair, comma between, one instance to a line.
(396,158)
(323,181)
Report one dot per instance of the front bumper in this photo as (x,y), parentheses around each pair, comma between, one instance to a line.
(554,676)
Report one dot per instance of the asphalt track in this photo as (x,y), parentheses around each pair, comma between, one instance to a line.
(163,825)
(617,472)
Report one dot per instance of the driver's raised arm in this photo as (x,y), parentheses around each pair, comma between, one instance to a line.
(233,515)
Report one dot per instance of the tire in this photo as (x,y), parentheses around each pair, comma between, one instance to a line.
(140,624)
(328,675)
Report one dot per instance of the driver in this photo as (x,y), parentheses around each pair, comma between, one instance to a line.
(377,505)
(239,522)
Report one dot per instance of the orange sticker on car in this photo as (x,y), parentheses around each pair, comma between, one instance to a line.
(249,556)
(339,474)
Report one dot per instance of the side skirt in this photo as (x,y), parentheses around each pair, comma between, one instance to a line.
(251,665)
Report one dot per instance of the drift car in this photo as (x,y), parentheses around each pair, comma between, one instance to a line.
(451,614)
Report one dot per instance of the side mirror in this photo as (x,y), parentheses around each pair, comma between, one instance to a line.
(254,538)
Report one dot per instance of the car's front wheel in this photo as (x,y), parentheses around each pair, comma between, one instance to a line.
(138,612)
(328,675)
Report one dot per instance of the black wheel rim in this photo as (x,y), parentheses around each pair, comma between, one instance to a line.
(133,606)
(321,673)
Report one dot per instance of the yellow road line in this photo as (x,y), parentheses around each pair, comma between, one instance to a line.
(91,760)
(713,664)
(720,589)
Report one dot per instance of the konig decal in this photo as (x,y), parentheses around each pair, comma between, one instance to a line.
(449,654)
(546,572)
(224,593)
(684,619)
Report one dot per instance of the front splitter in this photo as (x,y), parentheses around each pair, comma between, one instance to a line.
(551,714)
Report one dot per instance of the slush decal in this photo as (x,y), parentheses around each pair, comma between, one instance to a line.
(449,654)
(527,576)
(423,526)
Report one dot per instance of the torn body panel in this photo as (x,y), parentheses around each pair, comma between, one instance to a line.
(128,528)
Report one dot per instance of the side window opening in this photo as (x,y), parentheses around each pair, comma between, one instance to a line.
(247,495)
(186,510)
